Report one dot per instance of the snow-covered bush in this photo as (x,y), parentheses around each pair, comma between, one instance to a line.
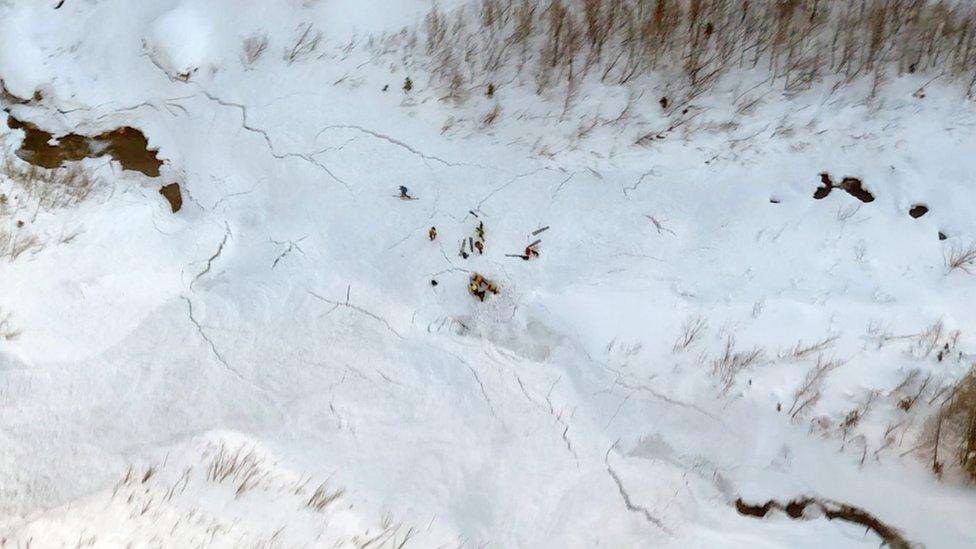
(180,41)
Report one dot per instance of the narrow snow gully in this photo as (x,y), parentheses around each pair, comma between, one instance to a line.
(797,509)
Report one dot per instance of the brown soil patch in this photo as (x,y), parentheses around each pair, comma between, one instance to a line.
(851,185)
(127,145)
(854,188)
(172,195)
(918,210)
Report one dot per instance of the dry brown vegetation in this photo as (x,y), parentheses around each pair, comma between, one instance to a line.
(950,438)
(27,190)
(691,331)
(245,469)
(558,43)
(305,43)
(810,391)
(253,48)
(322,497)
(51,189)
(15,242)
(732,362)
(963,258)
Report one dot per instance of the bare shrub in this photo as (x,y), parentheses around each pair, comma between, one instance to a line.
(691,331)
(798,42)
(727,367)
(910,390)
(934,337)
(456,91)
(306,42)
(491,116)
(853,418)
(962,258)
(390,534)
(253,48)
(810,391)
(243,468)
(322,497)
(802,350)
(15,242)
(41,189)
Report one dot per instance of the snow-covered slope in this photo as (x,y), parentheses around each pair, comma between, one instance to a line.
(605,397)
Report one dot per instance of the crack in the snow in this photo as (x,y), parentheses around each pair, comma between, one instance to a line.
(220,250)
(564,181)
(491,407)
(569,445)
(618,381)
(402,240)
(505,185)
(426,157)
(168,103)
(638,184)
(665,398)
(337,147)
(232,195)
(661,229)
(617,412)
(628,502)
(358,309)
(292,245)
(552,413)
(267,138)
(213,348)
(526,392)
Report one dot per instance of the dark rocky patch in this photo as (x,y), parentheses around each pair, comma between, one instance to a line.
(172,195)
(851,185)
(126,145)
(918,210)
(796,509)
(826,185)
(854,188)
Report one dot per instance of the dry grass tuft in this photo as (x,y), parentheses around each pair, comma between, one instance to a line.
(245,469)
(727,367)
(322,497)
(802,350)
(307,41)
(810,391)
(16,241)
(691,331)
(253,48)
(961,258)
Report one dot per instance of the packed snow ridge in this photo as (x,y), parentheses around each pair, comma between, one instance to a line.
(303,274)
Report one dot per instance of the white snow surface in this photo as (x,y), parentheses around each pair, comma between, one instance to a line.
(288,310)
